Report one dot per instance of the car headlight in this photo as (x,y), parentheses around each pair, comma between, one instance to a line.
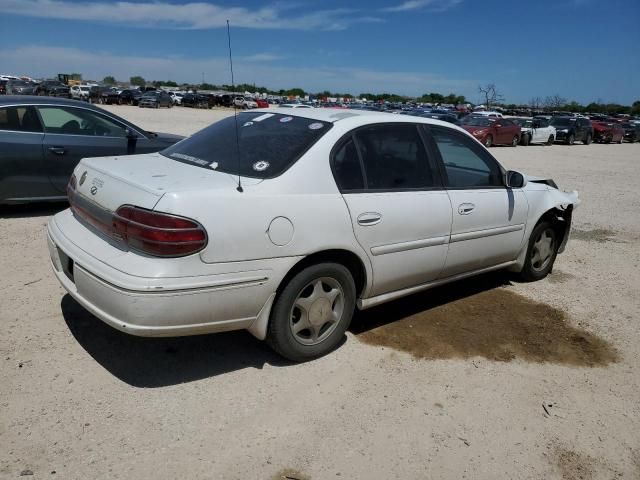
(478,133)
(564,130)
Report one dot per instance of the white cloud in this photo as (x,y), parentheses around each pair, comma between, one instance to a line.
(433,5)
(194,15)
(44,61)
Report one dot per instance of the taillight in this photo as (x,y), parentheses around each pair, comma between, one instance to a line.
(154,233)
(158,233)
(71,186)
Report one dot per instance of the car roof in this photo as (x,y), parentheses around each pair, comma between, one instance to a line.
(36,100)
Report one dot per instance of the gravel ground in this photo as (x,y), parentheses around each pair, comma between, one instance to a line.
(507,380)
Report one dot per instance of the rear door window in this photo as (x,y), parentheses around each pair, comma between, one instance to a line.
(266,144)
(394,157)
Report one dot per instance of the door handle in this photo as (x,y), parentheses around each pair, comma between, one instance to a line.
(466,208)
(58,150)
(369,218)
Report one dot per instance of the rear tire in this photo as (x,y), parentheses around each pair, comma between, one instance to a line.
(312,312)
(541,252)
(515,141)
(525,140)
(587,140)
(571,140)
(488,142)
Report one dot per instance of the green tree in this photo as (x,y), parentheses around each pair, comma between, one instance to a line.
(295,92)
(109,80)
(138,81)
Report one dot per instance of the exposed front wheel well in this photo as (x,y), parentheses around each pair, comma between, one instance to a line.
(561,221)
(344,257)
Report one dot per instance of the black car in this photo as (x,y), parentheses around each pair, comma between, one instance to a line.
(130,96)
(104,95)
(571,129)
(20,87)
(155,99)
(631,132)
(195,100)
(3,86)
(53,88)
(43,139)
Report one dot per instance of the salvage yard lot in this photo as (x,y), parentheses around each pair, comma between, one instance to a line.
(483,379)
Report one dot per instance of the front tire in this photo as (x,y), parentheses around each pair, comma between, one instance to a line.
(515,141)
(587,140)
(312,312)
(571,139)
(488,141)
(551,140)
(541,252)
(525,140)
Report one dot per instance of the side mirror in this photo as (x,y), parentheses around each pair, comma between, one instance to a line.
(515,179)
(131,134)
(497,125)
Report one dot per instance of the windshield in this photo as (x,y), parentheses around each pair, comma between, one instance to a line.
(478,121)
(523,122)
(562,121)
(269,143)
(84,89)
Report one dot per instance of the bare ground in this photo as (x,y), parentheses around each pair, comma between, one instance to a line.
(484,379)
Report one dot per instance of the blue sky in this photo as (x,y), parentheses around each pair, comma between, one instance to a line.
(583,50)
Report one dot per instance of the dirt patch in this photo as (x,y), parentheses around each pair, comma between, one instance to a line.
(573,465)
(599,235)
(558,276)
(290,474)
(497,324)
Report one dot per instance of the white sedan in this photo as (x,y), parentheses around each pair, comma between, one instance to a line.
(535,130)
(287,228)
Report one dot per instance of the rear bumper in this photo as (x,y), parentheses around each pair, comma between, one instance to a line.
(160,307)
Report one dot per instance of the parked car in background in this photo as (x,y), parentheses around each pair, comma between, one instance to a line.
(535,130)
(20,87)
(195,100)
(53,88)
(245,102)
(492,131)
(176,97)
(445,117)
(261,103)
(3,86)
(157,260)
(155,99)
(130,96)
(80,92)
(487,113)
(572,129)
(42,140)
(631,131)
(607,131)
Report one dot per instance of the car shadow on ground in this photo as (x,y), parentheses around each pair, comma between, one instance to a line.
(32,210)
(366,320)
(159,362)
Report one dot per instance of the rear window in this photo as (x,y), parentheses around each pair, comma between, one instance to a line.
(268,144)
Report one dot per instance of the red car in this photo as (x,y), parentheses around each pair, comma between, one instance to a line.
(492,130)
(262,103)
(607,131)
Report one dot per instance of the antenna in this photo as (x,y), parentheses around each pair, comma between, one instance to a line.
(235,109)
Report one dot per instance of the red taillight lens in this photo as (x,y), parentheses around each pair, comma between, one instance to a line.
(158,233)
(154,233)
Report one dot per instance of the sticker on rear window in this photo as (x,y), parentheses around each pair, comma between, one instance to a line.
(189,158)
(262,117)
(260,166)
(213,165)
(316,126)
(286,119)
(247,124)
